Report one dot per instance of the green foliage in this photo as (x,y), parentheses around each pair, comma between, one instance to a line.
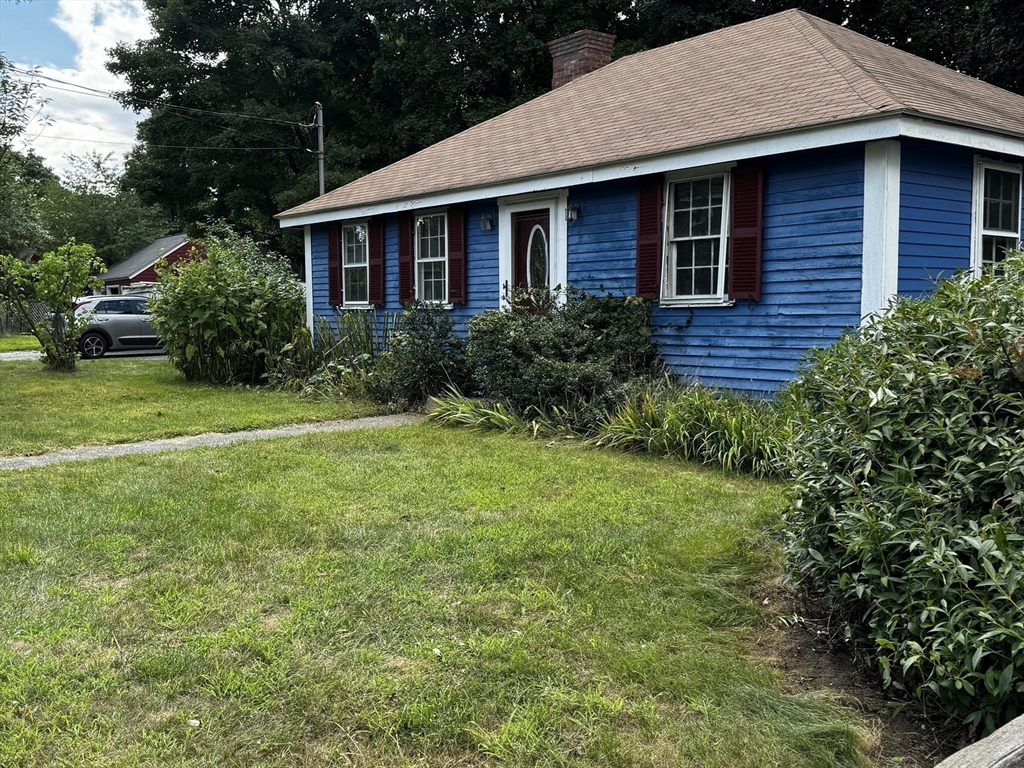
(703,425)
(55,281)
(91,206)
(345,361)
(907,501)
(542,352)
(229,317)
(425,357)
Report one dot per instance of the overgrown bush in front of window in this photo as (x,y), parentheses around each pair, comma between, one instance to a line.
(229,317)
(907,498)
(425,357)
(543,352)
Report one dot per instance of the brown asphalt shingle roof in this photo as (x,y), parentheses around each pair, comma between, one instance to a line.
(779,73)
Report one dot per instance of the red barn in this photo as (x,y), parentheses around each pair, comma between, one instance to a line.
(139,269)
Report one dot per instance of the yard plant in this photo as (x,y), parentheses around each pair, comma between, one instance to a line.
(569,350)
(227,318)
(53,283)
(398,597)
(907,504)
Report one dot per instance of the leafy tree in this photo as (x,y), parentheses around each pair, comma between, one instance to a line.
(55,281)
(92,206)
(20,227)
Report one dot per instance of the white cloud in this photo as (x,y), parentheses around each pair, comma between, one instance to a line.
(94,26)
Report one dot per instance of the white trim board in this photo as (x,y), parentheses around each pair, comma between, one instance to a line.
(880,262)
(866,130)
(555,201)
(307,241)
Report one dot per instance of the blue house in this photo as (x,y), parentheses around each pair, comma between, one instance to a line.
(766,186)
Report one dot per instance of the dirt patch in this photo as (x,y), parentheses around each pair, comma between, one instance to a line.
(800,644)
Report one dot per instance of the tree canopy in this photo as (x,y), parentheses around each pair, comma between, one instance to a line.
(230,86)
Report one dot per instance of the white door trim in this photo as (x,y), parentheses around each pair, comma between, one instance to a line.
(555,201)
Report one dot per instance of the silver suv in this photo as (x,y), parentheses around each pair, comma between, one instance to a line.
(119,323)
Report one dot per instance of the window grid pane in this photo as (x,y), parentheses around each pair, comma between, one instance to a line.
(431,258)
(697,218)
(1001,206)
(354,244)
(356,285)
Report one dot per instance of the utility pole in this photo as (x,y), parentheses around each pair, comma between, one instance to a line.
(320,143)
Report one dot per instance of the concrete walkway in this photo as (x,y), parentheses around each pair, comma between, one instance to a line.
(209,439)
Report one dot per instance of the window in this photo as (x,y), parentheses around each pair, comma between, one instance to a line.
(997,213)
(355,265)
(115,307)
(432,258)
(696,253)
(141,306)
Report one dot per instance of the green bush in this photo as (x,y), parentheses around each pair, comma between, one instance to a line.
(542,352)
(700,424)
(907,498)
(229,317)
(42,296)
(425,357)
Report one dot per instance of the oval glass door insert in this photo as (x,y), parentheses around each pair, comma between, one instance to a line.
(537,258)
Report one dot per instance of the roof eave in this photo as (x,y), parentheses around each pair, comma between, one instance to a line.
(886,125)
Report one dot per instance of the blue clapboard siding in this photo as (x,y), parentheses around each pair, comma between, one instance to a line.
(811,271)
(481,265)
(936,196)
(601,243)
(811,279)
(935,213)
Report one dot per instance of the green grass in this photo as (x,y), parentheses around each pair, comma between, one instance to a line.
(18,343)
(121,400)
(404,597)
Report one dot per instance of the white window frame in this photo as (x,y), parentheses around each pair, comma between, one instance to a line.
(668,297)
(345,303)
(417,287)
(555,202)
(978,232)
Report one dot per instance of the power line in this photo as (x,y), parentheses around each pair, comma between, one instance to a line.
(166,146)
(184,117)
(163,104)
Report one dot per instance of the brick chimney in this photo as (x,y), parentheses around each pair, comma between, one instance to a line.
(577,54)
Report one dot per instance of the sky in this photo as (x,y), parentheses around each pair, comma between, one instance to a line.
(68,40)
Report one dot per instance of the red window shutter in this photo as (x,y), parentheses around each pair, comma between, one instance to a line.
(334,295)
(376,261)
(456,255)
(745,233)
(648,236)
(405,260)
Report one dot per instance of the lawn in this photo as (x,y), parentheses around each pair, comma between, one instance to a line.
(403,597)
(119,400)
(18,343)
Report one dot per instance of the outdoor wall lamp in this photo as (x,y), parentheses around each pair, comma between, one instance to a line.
(572,212)
(486,221)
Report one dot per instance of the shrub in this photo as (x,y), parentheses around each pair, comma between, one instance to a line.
(540,352)
(907,498)
(425,357)
(228,318)
(701,424)
(53,283)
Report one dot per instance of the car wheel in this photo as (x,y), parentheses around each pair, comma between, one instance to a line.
(93,345)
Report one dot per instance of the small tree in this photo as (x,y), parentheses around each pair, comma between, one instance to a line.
(55,281)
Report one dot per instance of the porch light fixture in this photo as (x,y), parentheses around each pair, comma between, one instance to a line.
(486,221)
(572,212)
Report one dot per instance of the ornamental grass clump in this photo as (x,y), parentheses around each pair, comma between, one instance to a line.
(703,425)
(906,508)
